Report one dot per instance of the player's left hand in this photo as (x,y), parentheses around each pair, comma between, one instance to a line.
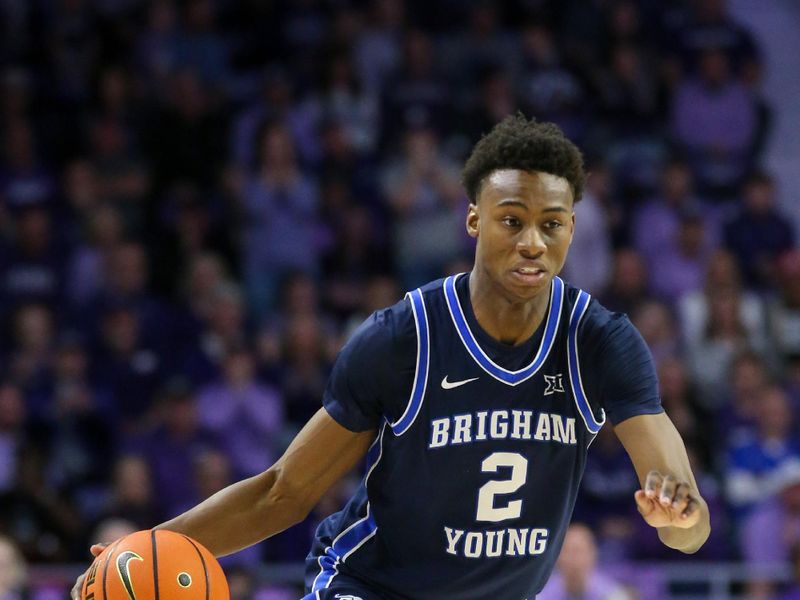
(666,501)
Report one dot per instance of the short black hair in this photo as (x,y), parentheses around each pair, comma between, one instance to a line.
(519,143)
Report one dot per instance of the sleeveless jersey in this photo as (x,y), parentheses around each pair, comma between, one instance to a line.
(469,492)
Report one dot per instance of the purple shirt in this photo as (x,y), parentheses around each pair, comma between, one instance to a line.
(704,117)
(599,587)
(768,534)
(248,422)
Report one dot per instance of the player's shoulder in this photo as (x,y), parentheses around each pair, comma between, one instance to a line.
(598,322)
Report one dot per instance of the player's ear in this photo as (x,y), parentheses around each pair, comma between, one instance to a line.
(572,227)
(473,220)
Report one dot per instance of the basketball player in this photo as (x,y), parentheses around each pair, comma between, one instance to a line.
(474,400)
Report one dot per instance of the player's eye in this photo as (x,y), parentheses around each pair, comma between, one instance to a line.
(511,221)
(553,224)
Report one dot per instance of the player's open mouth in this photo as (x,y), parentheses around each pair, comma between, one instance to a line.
(529,275)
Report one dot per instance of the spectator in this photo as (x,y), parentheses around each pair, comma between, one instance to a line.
(737,410)
(723,337)
(772,530)
(658,326)
(28,361)
(75,415)
(378,49)
(682,263)
(103,232)
(755,462)
(132,496)
(628,286)
(710,27)
(246,415)
(357,255)
(126,282)
(628,92)
(657,221)
(33,268)
(783,309)
(759,233)
(549,88)
(44,523)
(222,328)
(422,187)
(128,367)
(722,276)
(119,174)
(417,94)
(589,265)
(342,99)
(714,120)
(24,181)
(576,575)
(276,104)
(185,140)
(13,571)
(172,443)
(276,199)
(484,44)
(496,99)
(305,368)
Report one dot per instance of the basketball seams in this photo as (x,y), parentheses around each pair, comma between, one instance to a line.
(105,566)
(202,562)
(155,561)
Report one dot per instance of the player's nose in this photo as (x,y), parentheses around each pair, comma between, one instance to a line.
(531,242)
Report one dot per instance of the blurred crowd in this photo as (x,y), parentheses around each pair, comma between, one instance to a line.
(199,201)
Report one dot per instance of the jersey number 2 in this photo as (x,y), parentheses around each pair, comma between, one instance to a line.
(487,511)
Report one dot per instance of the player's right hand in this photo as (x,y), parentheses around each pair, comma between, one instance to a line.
(75,593)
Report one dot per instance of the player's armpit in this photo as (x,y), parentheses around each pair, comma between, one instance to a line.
(669,498)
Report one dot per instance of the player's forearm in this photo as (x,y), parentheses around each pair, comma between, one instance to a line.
(688,540)
(240,515)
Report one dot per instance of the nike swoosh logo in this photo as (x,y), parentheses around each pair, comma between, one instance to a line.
(449,385)
(122,568)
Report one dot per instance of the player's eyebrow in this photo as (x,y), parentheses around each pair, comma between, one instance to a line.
(512,202)
(515,202)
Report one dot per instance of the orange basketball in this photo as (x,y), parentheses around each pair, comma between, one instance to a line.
(155,565)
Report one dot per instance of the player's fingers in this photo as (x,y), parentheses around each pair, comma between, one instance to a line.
(644,504)
(652,484)
(692,506)
(681,497)
(97,549)
(668,487)
(75,592)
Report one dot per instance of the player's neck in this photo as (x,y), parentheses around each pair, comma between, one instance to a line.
(507,320)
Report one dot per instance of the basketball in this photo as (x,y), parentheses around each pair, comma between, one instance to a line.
(155,565)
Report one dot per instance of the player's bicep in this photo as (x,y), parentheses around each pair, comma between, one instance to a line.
(653,443)
(321,454)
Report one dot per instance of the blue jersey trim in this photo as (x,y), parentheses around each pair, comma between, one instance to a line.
(423,363)
(573,362)
(477,353)
(356,535)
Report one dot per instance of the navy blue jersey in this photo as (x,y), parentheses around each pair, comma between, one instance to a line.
(480,446)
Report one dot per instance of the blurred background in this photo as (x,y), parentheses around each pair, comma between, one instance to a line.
(200,199)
